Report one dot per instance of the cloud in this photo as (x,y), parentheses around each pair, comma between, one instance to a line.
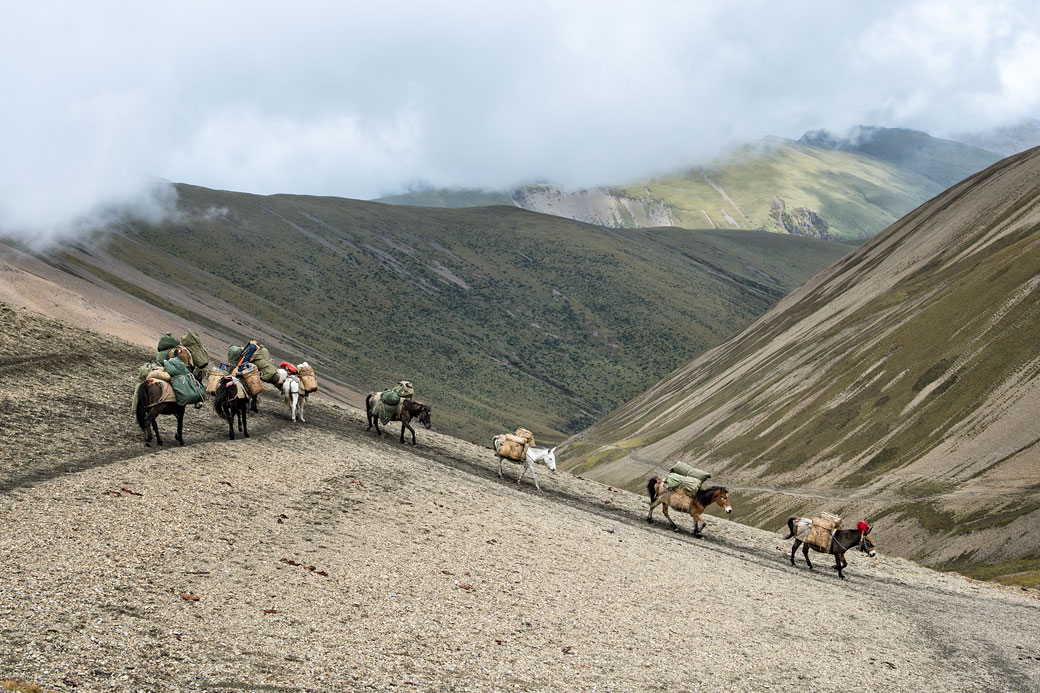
(360,100)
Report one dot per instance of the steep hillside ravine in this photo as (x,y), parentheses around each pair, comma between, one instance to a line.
(317,557)
(901,383)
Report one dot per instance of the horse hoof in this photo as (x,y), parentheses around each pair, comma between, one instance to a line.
(246,435)
(158,442)
(649,520)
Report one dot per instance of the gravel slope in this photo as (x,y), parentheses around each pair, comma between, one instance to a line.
(429,573)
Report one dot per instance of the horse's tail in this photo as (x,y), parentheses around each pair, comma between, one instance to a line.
(142,405)
(790,526)
(651,488)
(220,398)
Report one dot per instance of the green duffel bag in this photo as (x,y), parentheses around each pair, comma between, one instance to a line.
(683,469)
(264,362)
(187,388)
(167,342)
(199,355)
(234,353)
(175,366)
(691,484)
(390,398)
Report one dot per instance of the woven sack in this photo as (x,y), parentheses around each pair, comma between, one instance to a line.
(819,537)
(511,449)
(159,374)
(405,389)
(213,376)
(680,502)
(310,383)
(827,521)
(526,435)
(250,375)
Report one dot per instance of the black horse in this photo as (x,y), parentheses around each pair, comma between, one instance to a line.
(149,408)
(228,404)
(841,541)
(409,410)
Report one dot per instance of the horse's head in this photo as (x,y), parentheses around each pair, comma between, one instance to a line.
(424,416)
(550,460)
(722,498)
(865,544)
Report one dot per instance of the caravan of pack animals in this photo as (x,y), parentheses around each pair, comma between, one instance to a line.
(173,381)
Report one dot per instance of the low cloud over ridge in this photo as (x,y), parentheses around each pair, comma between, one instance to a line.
(359,101)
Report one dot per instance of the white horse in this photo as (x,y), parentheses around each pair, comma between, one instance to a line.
(534,455)
(293,394)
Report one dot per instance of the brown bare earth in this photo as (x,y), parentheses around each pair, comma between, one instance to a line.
(318,557)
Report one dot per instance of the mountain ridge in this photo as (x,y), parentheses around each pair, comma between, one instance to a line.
(902,370)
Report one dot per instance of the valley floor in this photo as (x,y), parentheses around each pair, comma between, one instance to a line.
(317,557)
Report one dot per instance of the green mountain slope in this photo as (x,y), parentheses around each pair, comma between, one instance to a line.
(449,197)
(902,384)
(501,317)
(821,186)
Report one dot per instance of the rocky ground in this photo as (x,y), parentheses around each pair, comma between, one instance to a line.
(318,557)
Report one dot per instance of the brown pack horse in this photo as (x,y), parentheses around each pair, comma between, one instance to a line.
(149,408)
(704,497)
(409,410)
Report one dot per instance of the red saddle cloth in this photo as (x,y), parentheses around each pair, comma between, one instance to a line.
(291,369)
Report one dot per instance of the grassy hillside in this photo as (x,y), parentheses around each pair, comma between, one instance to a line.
(903,381)
(449,197)
(821,187)
(501,317)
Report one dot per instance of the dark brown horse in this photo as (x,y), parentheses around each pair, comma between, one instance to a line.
(408,410)
(700,500)
(229,405)
(149,408)
(841,541)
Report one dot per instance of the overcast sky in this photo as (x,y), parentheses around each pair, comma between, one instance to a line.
(365,99)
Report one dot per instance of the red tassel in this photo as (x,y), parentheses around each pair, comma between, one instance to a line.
(862,527)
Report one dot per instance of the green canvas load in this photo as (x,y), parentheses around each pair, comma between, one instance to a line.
(387,406)
(187,389)
(405,389)
(690,484)
(167,342)
(199,355)
(268,371)
(234,353)
(683,469)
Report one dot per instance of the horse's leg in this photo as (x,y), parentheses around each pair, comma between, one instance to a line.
(410,429)
(797,543)
(147,430)
(664,509)
(254,405)
(839,563)
(294,399)
(368,413)
(303,400)
(180,425)
(650,513)
(805,552)
(523,470)
(534,476)
(245,425)
(154,416)
(500,461)
(697,518)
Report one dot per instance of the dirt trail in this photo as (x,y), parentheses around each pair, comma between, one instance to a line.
(318,557)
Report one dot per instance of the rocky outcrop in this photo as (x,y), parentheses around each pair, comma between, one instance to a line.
(600,206)
(800,221)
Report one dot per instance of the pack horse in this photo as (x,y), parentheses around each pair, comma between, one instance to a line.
(526,455)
